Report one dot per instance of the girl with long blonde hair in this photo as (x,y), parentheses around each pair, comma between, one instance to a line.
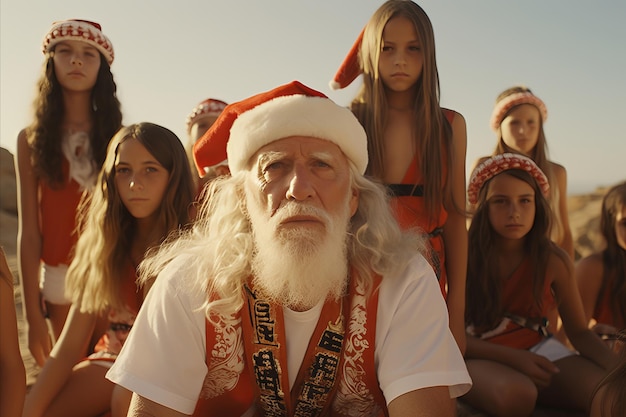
(144,193)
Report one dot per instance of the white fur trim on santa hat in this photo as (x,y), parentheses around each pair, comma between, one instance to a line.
(296,115)
(334,85)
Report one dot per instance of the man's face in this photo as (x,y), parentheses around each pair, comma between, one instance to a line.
(300,200)
(304,170)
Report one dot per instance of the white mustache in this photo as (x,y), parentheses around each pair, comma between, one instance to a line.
(292,209)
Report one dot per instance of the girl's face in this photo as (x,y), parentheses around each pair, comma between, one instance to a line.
(140,179)
(511,206)
(401,57)
(76,65)
(520,128)
(620,227)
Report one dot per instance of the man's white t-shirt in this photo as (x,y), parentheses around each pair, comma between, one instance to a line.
(164,357)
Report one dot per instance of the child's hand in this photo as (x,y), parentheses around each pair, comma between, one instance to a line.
(604,330)
(538,368)
(39,342)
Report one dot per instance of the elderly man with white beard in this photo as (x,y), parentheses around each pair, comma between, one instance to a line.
(295,293)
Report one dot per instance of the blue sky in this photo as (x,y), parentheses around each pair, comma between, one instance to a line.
(171,55)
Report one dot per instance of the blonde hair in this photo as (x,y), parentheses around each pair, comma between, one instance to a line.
(540,156)
(220,246)
(107,228)
(432,132)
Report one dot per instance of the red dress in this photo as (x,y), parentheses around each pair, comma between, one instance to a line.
(518,301)
(410,211)
(603,311)
(57,212)
(120,320)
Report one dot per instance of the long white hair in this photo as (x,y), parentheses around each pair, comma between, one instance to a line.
(220,247)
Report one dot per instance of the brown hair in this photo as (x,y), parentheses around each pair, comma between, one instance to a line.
(540,155)
(45,134)
(613,256)
(484,307)
(432,132)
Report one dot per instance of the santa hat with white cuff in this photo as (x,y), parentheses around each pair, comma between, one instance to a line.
(292,109)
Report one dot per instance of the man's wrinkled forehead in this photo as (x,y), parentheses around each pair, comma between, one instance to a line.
(305,147)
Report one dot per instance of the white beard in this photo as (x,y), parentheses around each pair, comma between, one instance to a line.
(299,266)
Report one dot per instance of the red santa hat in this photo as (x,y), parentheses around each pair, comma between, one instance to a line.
(350,68)
(210,107)
(503,162)
(289,110)
(79,30)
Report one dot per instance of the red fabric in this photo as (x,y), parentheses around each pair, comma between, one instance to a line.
(410,212)
(238,400)
(496,164)
(350,68)
(603,312)
(57,213)
(518,299)
(132,297)
(79,30)
(210,149)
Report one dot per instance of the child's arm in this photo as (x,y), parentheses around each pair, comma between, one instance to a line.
(29,252)
(455,234)
(143,407)
(567,241)
(58,368)
(588,276)
(538,368)
(573,315)
(431,401)
(12,372)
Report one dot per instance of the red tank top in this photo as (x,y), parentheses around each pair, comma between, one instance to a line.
(603,312)
(57,211)
(518,299)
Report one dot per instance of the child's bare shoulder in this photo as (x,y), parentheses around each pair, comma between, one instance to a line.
(559,261)
(590,265)
(558,169)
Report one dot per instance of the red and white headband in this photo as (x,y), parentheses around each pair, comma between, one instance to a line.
(79,30)
(208,108)
(500,163)
(507,103)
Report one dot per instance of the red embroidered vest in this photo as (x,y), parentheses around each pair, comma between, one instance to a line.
(236,376)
